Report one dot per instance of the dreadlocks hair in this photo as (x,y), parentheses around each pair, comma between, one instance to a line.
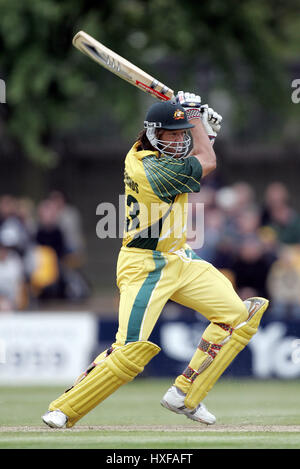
(143,141)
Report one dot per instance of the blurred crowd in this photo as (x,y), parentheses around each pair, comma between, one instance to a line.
(41,252)
(255,244)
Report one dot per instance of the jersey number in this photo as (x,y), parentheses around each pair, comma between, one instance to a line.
(132,221)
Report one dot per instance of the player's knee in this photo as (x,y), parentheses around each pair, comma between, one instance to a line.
(240,313)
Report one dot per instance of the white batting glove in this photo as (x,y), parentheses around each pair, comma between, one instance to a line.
(191,103)
(211,121)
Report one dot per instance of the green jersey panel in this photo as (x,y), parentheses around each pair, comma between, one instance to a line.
(169,177)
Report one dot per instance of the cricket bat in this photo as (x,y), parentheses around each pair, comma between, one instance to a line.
(120,66)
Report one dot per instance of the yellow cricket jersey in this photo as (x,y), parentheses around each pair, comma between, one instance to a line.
(156,196)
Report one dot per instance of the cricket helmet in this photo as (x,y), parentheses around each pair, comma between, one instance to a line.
(168,116)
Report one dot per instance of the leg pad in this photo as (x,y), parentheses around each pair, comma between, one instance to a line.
(118,368)
(240,337)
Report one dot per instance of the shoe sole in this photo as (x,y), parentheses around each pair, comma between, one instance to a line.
(166,405)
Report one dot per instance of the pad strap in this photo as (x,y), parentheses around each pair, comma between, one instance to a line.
(209,348)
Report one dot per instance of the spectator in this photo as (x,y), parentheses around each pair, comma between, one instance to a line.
(11,275)
(270,242)
(69,222)
(46,278)
(251,268)
(226,200)
(284,282)
(286,223)
(40,241)
(12,224)
(247,222)
(8,207)
(26,214)
(71,283)
(245,197)
(214,222)
(276,195)
(48,232)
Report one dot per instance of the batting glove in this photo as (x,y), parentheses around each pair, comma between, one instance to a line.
(211,121)
(191,103)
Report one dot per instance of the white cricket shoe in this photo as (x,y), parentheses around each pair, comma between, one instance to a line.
(174,400)
(55,419)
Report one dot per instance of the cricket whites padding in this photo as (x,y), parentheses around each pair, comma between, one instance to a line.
(240,337)
(122,365)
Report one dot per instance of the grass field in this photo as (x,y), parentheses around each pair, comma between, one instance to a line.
(250,415)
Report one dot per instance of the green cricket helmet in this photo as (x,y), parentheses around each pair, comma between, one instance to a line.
(168,116)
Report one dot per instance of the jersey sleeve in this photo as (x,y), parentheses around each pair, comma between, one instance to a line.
(169,177)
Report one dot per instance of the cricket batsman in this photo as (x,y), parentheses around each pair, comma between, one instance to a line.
(172,155)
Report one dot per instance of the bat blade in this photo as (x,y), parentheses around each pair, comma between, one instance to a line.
(120,66)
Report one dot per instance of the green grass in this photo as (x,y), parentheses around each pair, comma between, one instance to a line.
(140,422)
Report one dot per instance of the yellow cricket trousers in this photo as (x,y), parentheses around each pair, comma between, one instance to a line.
(148,279)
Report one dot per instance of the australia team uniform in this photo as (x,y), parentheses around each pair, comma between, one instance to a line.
(155,265)
(154,269)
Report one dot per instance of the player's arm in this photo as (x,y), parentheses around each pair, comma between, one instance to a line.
(202,147)
(207,124)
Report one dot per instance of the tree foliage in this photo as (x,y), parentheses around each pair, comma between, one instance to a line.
(50,85)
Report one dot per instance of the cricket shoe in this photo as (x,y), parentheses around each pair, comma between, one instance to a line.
(174,400)
(55,419)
